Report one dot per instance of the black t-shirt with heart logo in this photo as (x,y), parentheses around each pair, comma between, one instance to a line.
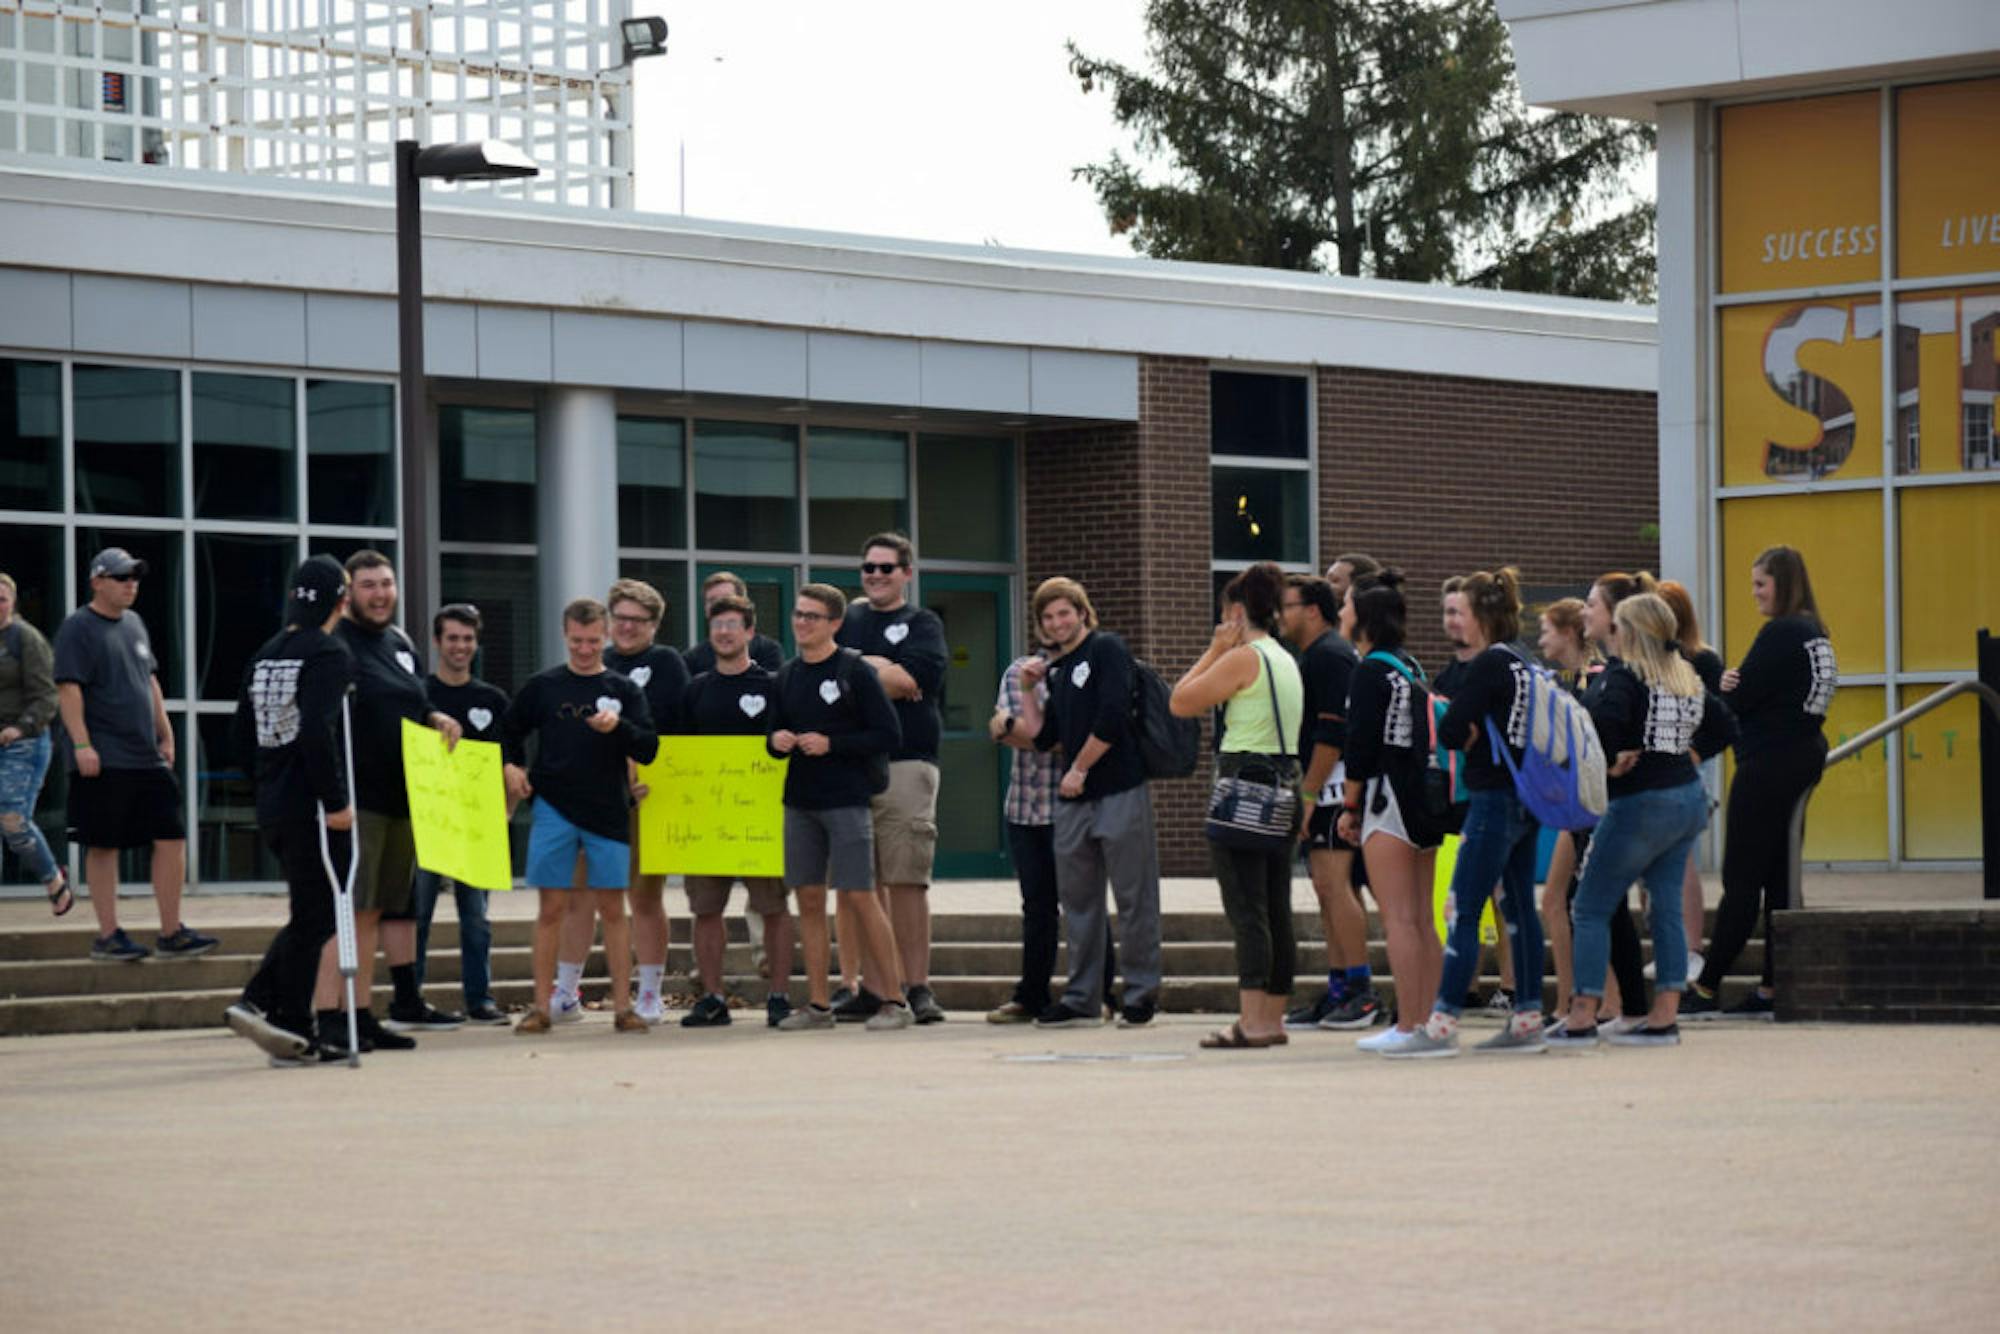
(716,704)
(661,675)
(477,706)
(388,687)
(577,770)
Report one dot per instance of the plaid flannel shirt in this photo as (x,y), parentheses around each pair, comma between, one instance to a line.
(1031,790)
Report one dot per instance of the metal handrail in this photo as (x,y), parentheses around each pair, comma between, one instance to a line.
(1856,744)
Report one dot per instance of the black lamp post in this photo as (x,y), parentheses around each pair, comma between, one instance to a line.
(487,161)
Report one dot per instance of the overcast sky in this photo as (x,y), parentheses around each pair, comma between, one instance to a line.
(943,120)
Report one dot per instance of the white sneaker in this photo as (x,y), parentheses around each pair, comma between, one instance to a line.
(890,1017)
(1622,1024)
(650,1008)
(1387,1040)
(565,1008)
(1423,1047)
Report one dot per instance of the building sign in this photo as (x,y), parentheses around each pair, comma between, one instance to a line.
(1947,179)
(1801,193)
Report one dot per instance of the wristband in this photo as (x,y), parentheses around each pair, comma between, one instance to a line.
(85,746)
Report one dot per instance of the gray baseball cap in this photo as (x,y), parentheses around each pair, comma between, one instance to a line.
(117,563)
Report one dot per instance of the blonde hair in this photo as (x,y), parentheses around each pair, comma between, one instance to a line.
(1649,645)
(1060,589)
(639,591)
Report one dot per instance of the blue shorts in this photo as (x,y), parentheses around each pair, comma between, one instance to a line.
(553,843)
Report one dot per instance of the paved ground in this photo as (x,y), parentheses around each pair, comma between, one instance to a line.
(965,1177)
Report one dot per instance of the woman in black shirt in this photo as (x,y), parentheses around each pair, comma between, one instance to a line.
(1780,696)
(1707,664)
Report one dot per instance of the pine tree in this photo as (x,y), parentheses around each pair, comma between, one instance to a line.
(1377,137)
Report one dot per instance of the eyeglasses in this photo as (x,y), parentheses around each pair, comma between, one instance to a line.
(810,616)
(872,567)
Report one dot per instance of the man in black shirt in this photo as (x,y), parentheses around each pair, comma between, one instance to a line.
(735,699)
(836,723)
(477,706)
(766,652)
(905,646)
(1104,813)
(287,730)
(636,612)
(388,688)
(591,723)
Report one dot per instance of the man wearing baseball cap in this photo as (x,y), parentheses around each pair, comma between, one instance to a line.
(120,752)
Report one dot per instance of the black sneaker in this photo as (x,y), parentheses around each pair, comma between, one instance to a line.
(185,943)
(332,1043)
(842,994)
(1670,1036)
(486,1012)
(1059,1015)
(923,1003)
(379,1038)
(421,1018)
(1694,1005)
(859,1008)
(708,1012)
(777,1009)
(1308,1016)
(1756,1005)
(118,948)
(1135,1016)
(1361,1010)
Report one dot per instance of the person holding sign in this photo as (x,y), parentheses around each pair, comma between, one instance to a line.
(455,692)
(734,700)
(589,722)
(836,723)
(636,611)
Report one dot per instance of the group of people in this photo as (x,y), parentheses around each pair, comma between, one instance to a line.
(1319,698)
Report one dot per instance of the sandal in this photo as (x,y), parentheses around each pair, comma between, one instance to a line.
(1233,1038)
(60,899)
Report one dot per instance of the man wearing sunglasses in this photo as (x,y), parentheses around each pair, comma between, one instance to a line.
(905,646)
(123,793)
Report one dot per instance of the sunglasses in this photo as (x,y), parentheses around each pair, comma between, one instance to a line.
(871,567)
(121,578)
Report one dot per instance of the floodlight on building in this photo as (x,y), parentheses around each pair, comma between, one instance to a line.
(643,37)
(483,160)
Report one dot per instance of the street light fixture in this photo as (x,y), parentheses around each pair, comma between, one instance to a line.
(643,37)
(489,160)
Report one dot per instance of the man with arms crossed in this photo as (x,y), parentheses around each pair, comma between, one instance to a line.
(905,646)
(477,707)
(1104,813)
(590,723)
(121,758)
(838,726)
(734,699)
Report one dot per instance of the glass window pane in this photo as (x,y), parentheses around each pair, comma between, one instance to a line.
(226,810)
(160,602)
(1941,781)
(340,548)
(1801,391)
(1257,414)
(669,577)
(652,483)
(1947,382)
(965,497)
(30,435)
(239,601)
(1840,536)
(1262,514)
(1949,573)
(857,485)
(245,438)
(503,588)
(746,484)
(486,474)
(351,452)
(128,434)
(31,555)
(771,590)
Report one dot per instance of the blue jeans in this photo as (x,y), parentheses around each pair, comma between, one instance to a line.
(475,935)
(1647,837)
(1499,847)
(23,766)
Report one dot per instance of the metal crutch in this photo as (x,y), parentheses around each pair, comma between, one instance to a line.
(343,890)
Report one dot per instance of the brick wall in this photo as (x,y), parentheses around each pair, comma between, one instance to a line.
(1437,474)
(1896,966)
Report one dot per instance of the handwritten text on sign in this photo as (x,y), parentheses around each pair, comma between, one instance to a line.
(716,807)
(458,808)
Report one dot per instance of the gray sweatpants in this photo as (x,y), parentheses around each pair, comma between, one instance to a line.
(1111,837)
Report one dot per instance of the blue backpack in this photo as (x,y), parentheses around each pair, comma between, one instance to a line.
(1561,776)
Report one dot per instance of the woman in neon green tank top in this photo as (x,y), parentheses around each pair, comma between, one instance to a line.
(1251,676)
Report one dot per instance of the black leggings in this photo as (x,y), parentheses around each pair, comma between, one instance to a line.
(1628,960)
(1756,855)
(1257,898)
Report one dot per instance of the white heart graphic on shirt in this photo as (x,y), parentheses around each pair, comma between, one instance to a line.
(640,675)
(145,652)
(481,719)
(829,690)
(752,705)
(1080,676)
(407,662)
(606,704)
(897,633)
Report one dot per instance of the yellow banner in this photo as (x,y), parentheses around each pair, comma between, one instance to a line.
(458,808)
(1947,192)
(1801,187)
(715,807)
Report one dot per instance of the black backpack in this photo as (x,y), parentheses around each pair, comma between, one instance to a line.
(876,763)
(1169,747)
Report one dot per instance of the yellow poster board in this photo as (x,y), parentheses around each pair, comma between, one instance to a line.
(458,808)
(1447,864)
(715,806)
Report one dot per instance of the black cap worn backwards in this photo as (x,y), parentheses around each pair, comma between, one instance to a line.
(316,589)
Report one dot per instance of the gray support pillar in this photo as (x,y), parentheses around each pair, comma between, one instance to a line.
(576,504)
(1686,482)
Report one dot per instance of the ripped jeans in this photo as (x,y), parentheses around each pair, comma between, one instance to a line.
(23,766)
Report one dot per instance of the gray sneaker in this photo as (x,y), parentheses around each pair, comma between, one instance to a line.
(1507,1042)
(807,1018)
(892,1016)
(1421,1046)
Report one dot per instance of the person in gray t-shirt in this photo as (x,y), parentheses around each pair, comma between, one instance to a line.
(120,752)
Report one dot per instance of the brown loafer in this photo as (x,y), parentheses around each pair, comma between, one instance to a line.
(625,1021)
(533,1023)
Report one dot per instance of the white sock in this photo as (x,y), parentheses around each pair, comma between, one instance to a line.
(650,977)
(569,976)
(1441,1025)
